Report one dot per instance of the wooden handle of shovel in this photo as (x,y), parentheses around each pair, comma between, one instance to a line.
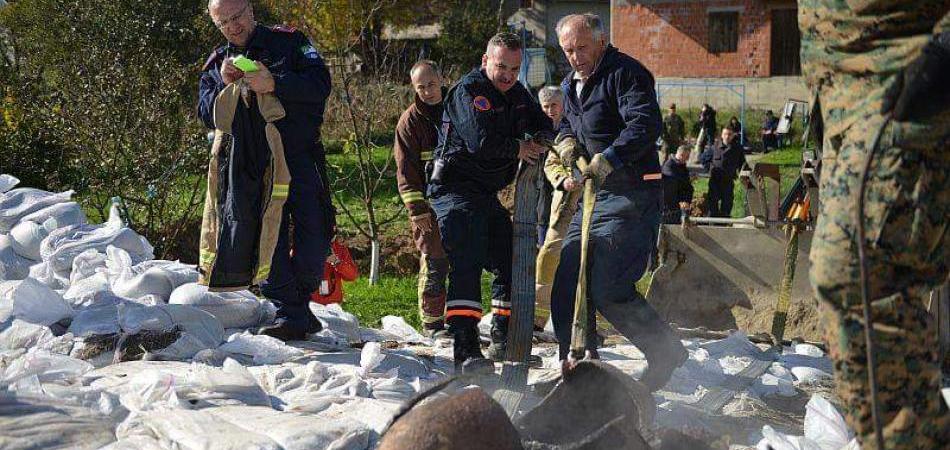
(581,306)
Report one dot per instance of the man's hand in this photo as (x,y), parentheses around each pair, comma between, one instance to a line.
(529,151)
(598,169)
(261,80)
(333,259)
(567,149)
(571,185)
(921,90)
(684,205)
(229,72)
(422,223)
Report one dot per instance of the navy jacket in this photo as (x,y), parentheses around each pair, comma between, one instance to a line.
(481,127)
(728,158)
(677,186)
(301,80)
(617,115)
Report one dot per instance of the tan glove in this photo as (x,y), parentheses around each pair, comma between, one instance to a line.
(598,169)
(422,223)
(567,149)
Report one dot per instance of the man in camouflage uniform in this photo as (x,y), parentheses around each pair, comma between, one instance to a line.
(866,60)
(674,133)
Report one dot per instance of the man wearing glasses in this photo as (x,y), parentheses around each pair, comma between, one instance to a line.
(268,165)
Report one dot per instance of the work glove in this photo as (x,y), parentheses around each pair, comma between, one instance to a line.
(567,149)
(922,89)
(598,169)
(422,223)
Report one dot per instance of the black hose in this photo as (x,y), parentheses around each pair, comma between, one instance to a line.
(865,284)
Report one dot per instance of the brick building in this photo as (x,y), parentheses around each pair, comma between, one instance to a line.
(711,38)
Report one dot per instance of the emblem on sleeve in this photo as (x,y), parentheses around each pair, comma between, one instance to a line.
(482,103)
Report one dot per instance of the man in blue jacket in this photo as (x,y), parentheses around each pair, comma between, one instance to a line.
(290,69)
(488,116)
(611,111)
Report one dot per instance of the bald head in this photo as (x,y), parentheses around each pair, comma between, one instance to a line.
(234,18)
(426,81)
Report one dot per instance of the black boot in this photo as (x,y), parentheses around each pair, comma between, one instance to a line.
(284,330)
(467,351)
(499,338)
(660,365)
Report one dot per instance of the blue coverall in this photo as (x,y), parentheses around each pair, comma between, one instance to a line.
(617,115)
(302,84)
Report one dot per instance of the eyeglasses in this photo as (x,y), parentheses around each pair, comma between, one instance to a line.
(224,23)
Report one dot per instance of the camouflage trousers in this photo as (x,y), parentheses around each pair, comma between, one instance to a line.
(906,221)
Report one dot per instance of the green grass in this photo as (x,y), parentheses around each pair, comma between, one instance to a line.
(348,189)
(789,160)
(393,296)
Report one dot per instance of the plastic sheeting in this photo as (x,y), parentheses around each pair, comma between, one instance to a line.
(12,265)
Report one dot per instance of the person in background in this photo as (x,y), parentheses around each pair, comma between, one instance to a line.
(736,128)
(727,159)
(674,132)
(769,127)
(677,186)
(707,122)
(338,268)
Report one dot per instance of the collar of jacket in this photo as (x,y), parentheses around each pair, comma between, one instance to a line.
(433,112)
(606,63)
(481,77)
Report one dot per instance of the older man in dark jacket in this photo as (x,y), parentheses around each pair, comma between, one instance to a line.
(611,110)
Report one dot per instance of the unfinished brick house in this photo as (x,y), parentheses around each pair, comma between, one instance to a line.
(753,42)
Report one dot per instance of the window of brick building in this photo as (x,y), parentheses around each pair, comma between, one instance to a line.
(723,31)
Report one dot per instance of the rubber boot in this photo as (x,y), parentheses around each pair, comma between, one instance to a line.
(467,352)
(661,366)
(284,330)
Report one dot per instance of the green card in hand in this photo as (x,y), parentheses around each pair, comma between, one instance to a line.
(245,64)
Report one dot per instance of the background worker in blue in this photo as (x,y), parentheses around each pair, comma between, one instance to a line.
(611,111)
(291,69)
(487,114)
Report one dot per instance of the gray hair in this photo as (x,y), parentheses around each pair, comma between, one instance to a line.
(590,22)
(422,63)
(682,150)
(551,93)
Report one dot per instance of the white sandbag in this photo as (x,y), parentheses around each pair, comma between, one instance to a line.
(47,366)
(263,349)
(26,239)
(65,214)
(199,330)
(8,182)
(86,264)
(810,375)
(16,204)
(90,291)
(340,323)
(95,320)
(198,430)
(241,309)
(370,357)
(407,334)
(44,273)
(63,245)
(824,425)
(809,350)
(12,265)
(32,301)
(42,423)
(23,335)
(154,277)
(231,382)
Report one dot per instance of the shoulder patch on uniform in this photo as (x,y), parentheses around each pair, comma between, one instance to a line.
(481,103)
(283,28)
(211,59)
(309,52)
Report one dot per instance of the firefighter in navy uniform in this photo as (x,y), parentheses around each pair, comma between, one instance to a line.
(487,116)
(243,226)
